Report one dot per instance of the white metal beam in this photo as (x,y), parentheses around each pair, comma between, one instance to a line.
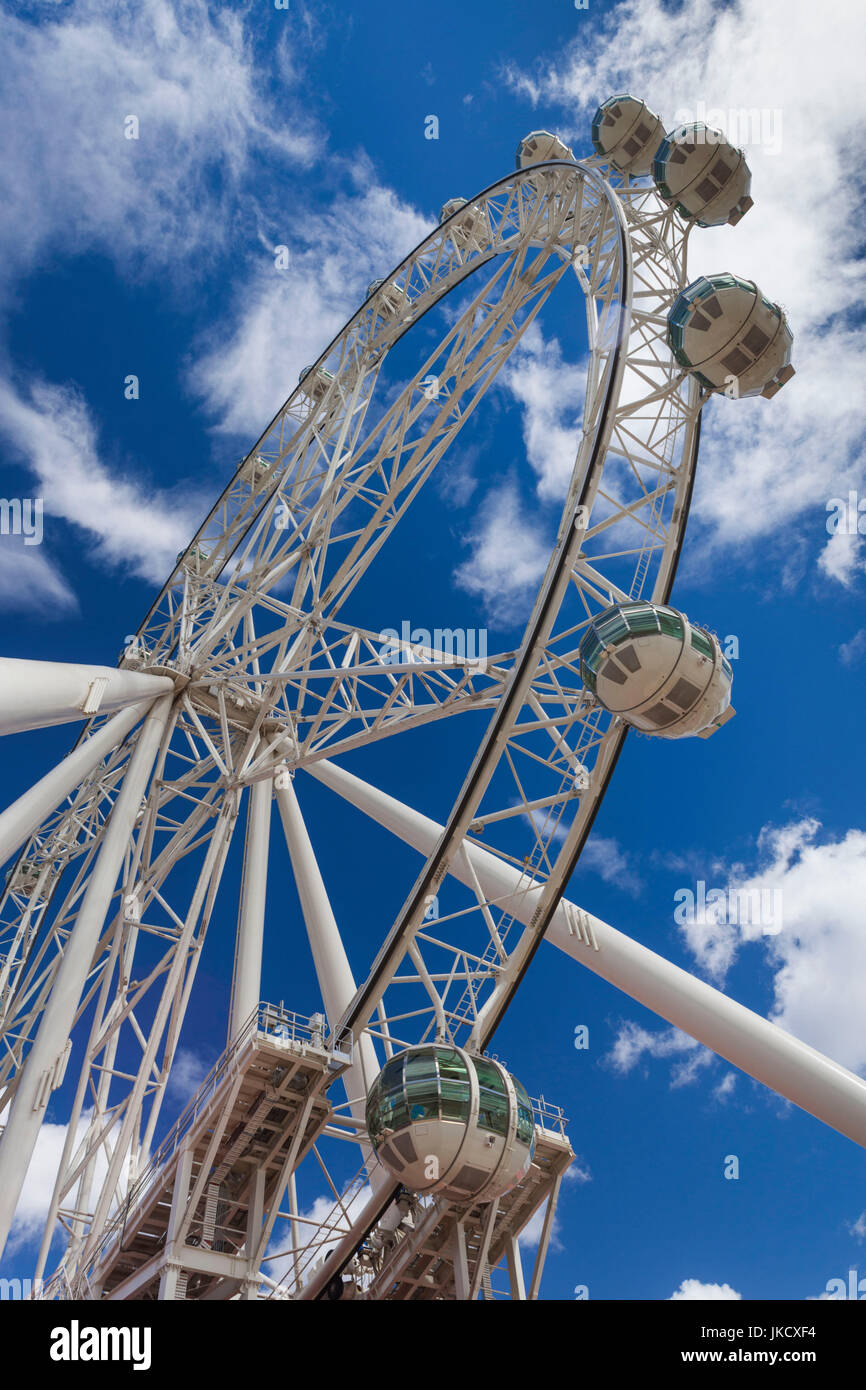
(247,983)
(34,694)
(41,1067)
(18,821)
(333,970)
(788,1066)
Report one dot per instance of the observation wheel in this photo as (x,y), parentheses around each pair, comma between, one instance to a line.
(249,675)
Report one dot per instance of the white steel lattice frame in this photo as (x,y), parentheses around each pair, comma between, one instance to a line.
(269,679)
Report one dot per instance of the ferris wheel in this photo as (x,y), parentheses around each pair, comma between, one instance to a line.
(248,678)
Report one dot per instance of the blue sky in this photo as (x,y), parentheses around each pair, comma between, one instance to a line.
(305,127)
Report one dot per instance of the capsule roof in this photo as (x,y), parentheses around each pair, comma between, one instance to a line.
(538,147)
(700,173)
(627,133)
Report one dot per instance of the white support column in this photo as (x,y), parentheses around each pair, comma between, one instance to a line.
(544,1241)
(788,1066)
(484,1250)
(247,982)
(329,954)
(18,821)
(34,694)
(33,1091)
(168,1280)
(295,1241)
(515,1269)
(255,1217)
(461,1265)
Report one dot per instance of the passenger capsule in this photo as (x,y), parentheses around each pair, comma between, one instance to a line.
(471,227)
(540,146)
(703,176)
(23,878)
(627,134)
(660,674)
(194,556)
(724,331)
(315,388)
(444,1120)
(390,302)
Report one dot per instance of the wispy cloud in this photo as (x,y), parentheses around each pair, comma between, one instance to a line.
(31,583)
(852,652)
(138,133)
(605,856)
(133,528)
(695,1290)
(285,318)
(818,957)
(550,393)
(633,1043)
(764,465)
(71,180)
(508,555)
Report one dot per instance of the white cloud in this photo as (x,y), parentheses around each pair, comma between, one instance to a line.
(694,1290)
(71,180)
(842,559)
(285,319)
(550,393)
(508,555)
(188,1071)
(858,1227)
(134,528)
(510,548)
(38,1187)
(726,1086)
(633,1042)
(30,583)
(605,856)
(818,958)
(850,653)
(309,1234)
(169,201)
(765,465)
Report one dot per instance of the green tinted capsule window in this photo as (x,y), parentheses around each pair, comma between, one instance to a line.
(391,1074)
(421,1066)
(670,622)
(489,1076)
(422,1099)
(612,628)
(591,649)
(452,1065)
(456,1100)
(395,1112)
(525,1120)
(373,1120)
(642,621)
(680,312)
(493,1112)
(701,643)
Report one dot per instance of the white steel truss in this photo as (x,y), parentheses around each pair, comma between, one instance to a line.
(106,910)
